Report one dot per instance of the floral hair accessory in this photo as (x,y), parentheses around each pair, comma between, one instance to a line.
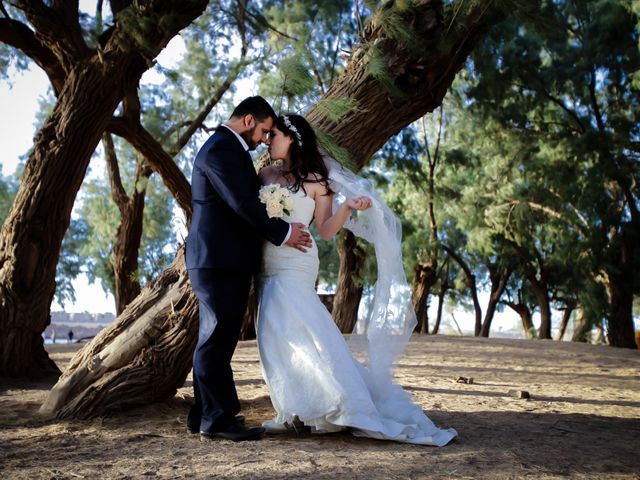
(291,127)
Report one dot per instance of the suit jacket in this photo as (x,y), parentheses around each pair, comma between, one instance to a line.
(229,222)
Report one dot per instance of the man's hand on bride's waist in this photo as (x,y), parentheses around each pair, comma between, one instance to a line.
(300,238)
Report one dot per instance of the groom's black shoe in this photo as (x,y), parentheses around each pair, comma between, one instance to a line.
(236,431)
(193,429)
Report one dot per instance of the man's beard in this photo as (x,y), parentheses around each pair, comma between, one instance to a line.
(247,138)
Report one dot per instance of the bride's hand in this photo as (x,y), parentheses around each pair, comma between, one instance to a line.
(359,203)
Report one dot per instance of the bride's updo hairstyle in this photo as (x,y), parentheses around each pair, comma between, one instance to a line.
(305,157)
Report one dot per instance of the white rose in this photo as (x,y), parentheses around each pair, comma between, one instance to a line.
(288,204)
(279,194)
(265,193)
(274,209)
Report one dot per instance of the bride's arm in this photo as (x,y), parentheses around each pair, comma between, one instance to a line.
(326,223)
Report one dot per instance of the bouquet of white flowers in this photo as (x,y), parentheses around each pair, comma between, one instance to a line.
(277,199)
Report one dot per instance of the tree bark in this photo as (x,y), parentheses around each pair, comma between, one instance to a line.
(349,288)
(538,277)
(248,330)
(570,306)
(541,291)
(424,279)
(583,327)
(525,316)
(620,282)
(138,359)
(423,79)
(499,278)
(161,162)
(444,287)
(426,273)
(422,76)
(473,289)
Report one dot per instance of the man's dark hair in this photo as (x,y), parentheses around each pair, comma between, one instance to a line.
(256,106)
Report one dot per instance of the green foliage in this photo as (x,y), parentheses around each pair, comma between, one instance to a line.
(11,60)
(102,218)
(8,190)
(305,41)
(71,260)
(295,78)
(329,144)
(337,108)
(377,68)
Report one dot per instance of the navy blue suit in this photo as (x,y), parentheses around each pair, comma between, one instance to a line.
(223,250)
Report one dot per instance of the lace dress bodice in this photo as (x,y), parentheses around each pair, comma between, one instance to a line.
(288,260)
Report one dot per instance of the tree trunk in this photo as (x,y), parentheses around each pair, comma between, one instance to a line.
(33,231)
(541,292)
(499,280)
(473,289)
(32,234)
(349,289)
(327,300)
(424,278)
(126,246)
(583,327)
(525,316)
(620,326)
(444,287)
(138,359)
(248,330)
(423,79)
(566,315)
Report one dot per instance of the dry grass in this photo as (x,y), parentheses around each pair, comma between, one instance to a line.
(582,421)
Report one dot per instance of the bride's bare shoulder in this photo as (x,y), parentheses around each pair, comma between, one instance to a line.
(314,185)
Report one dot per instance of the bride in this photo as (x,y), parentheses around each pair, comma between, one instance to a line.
(311,371)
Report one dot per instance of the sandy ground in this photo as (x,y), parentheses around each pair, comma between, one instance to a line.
(582,421)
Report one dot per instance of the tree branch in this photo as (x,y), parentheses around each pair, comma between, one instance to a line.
(561,104)
(131,103)
(471,283)
(18,35)
(4,10)
(117,189)
(262,22)
(57,30)
(159,160)
(213,101)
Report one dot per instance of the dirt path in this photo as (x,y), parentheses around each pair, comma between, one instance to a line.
(582,421)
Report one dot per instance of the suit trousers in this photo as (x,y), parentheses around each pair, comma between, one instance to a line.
(223,296)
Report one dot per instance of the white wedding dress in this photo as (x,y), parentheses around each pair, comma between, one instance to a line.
(308,366)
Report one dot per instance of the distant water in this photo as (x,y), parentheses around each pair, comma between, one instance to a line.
(48,341)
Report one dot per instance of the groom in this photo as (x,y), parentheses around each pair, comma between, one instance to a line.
(224,249)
